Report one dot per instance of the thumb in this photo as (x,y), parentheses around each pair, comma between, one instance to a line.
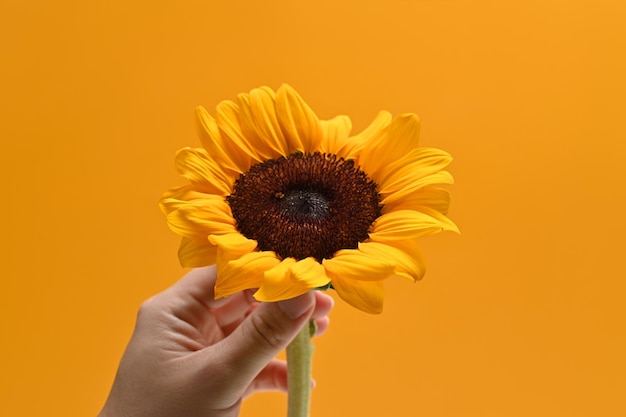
(261,336)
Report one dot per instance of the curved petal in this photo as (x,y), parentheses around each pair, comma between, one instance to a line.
(405,254)
(243,273)
(227,119)
(298,122)
(441,177)
(419,163)
(253,129)
(335,133)
(177,197)
(231,246)
(409,224)
(400,138)
(274,280)
(291,279)
(367,296)
(234,244)
(449,225)
(221,149)
(262,104)
(199,219)
(195,253)
(433,197)
(353,146)
(356,265)
(196,165)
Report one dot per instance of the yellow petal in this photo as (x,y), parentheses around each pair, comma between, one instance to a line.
(291,279)
(195,253)
(231,246)
(265,122)
(400,138)
(434,197)
(227,116)
(449,225)
(222,150)
(357,265)
(243,273)
(354,145)
(365,295)
(176,192)
(201,218)
(234,244)
(335,133)
(196,165)
(441,177)
(177,197)
(274,280)
(253,130)
(405,255)
(297,121)
(309,273)
(409,224)
(419,163)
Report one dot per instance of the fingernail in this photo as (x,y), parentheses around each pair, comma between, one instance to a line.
(295,307)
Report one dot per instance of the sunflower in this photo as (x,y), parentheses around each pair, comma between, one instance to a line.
(284,202)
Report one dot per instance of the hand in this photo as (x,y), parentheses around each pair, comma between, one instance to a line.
(191,355)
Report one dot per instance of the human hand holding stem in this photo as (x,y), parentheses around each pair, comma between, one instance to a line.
(196,356)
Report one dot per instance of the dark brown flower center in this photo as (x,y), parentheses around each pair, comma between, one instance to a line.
(305,205)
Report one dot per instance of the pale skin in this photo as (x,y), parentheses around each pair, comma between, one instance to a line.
(191,355)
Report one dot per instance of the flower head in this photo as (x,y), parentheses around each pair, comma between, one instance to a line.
(285,202)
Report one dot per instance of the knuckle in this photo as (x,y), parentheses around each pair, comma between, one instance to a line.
(270,334)
(145,308)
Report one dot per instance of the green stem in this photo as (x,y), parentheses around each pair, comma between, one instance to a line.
(299,353)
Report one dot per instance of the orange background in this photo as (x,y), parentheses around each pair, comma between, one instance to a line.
(521,315)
